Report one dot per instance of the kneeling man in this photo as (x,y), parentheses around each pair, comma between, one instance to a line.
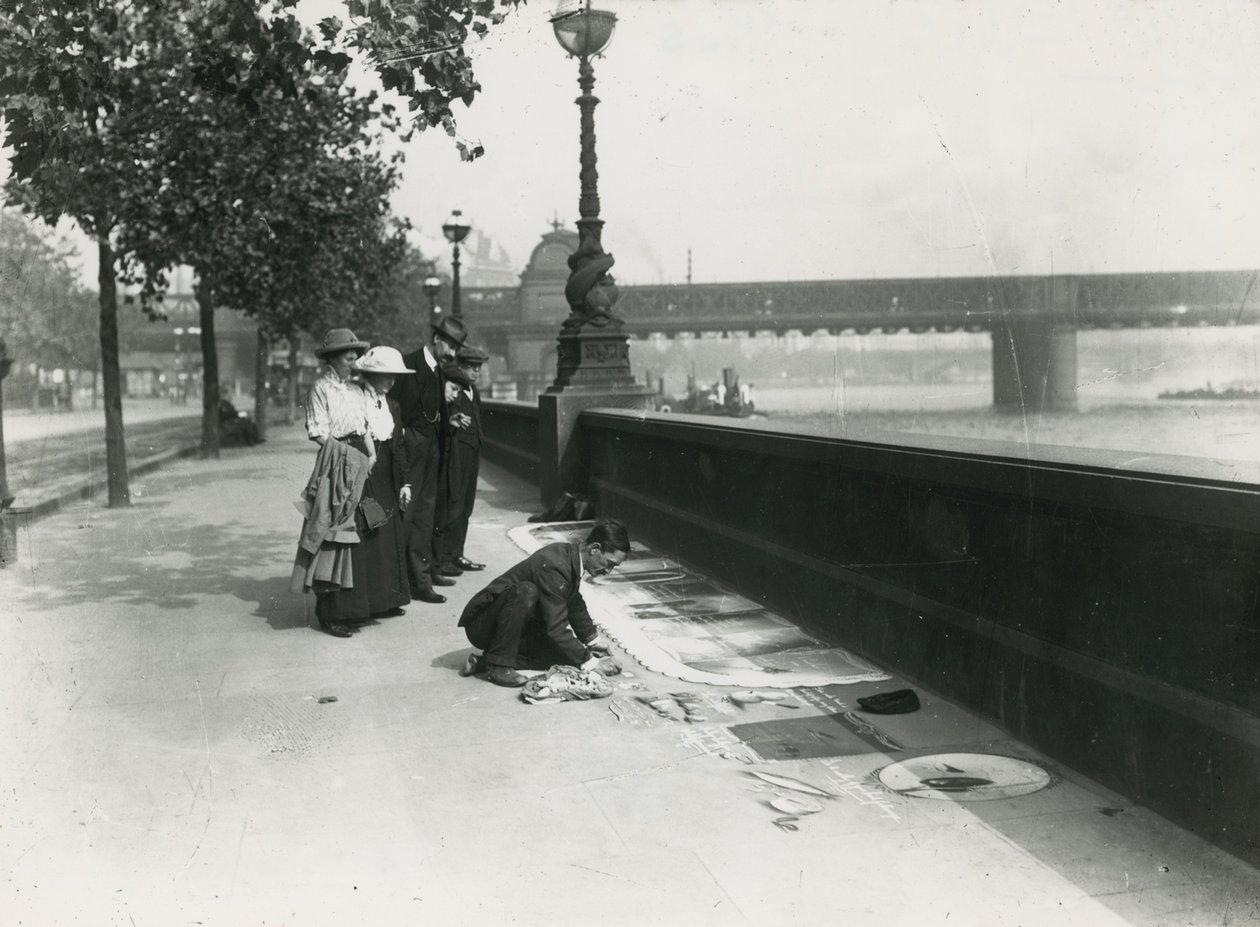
(534,615)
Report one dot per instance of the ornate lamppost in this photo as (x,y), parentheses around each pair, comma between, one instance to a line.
(592,350)
(456,230)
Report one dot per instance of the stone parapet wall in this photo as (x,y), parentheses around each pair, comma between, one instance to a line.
(510,436)
(1110,618)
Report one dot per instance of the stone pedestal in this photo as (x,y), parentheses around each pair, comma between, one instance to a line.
(593,371)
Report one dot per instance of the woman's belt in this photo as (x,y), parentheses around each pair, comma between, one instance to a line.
(358,442)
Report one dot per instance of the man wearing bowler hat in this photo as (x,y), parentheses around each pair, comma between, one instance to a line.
(423,406)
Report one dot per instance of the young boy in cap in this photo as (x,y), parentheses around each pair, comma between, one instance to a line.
(461,462)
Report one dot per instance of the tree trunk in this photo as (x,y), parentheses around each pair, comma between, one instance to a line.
(115,439)
(4,473)
(261,368)
(210,371)
(293,377)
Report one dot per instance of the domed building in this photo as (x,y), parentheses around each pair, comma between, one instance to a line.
(522,326)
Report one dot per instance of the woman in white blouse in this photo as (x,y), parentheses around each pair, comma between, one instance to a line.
(379,559)
(336,420)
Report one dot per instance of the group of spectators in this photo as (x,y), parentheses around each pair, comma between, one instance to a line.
(387,504)
(386,509)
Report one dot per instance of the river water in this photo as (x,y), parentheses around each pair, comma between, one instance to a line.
(941,385)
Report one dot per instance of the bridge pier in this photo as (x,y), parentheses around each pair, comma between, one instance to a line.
(1034,348)
(1034,366)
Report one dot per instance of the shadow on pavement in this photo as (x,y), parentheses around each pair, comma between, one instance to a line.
(176,563)
(453,660)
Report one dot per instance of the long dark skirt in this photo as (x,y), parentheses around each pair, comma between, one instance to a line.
(379,560)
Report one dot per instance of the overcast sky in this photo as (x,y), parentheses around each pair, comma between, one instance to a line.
(814,139)
(803,139)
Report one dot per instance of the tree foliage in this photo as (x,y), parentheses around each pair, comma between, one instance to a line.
(47,316)
(419,50)
(402,317)
(280,204)
(77,84)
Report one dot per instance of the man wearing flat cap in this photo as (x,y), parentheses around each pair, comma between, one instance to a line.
(461,460)
(422,405)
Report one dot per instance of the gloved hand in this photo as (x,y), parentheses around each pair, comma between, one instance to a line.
(599,646)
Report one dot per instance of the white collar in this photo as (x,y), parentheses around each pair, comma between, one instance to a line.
(429,360)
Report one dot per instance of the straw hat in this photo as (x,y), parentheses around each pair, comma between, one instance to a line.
(338,340)
(382,359)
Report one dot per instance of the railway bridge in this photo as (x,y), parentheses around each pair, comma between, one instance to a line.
(1033,320)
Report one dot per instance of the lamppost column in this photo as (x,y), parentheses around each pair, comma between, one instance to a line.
(456,230)
(455,308)
(592,350)
(588,202)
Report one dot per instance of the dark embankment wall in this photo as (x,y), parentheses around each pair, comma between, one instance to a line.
(510,436)
(1108,618)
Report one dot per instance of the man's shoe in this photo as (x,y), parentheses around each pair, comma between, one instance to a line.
(465,564)
(450,569)
(505,676)
(428,595)
(336,629)
(472,666)
(440,580)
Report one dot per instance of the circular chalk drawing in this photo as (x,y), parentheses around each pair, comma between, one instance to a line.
(964,777)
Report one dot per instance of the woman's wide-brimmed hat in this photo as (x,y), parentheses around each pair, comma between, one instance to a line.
(382,359)
(338,340)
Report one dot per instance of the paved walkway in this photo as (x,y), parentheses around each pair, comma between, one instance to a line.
(165,758)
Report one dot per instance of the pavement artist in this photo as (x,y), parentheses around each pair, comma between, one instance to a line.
(534,617)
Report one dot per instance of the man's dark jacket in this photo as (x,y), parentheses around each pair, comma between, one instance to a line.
(421,408)
(420,400)
(555,570)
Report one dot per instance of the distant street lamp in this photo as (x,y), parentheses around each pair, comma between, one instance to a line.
(455,230)
(432,286)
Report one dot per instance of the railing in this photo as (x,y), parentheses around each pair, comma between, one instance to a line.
(510,436)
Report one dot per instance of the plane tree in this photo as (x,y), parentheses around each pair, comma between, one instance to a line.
(73,80)
(280,204)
